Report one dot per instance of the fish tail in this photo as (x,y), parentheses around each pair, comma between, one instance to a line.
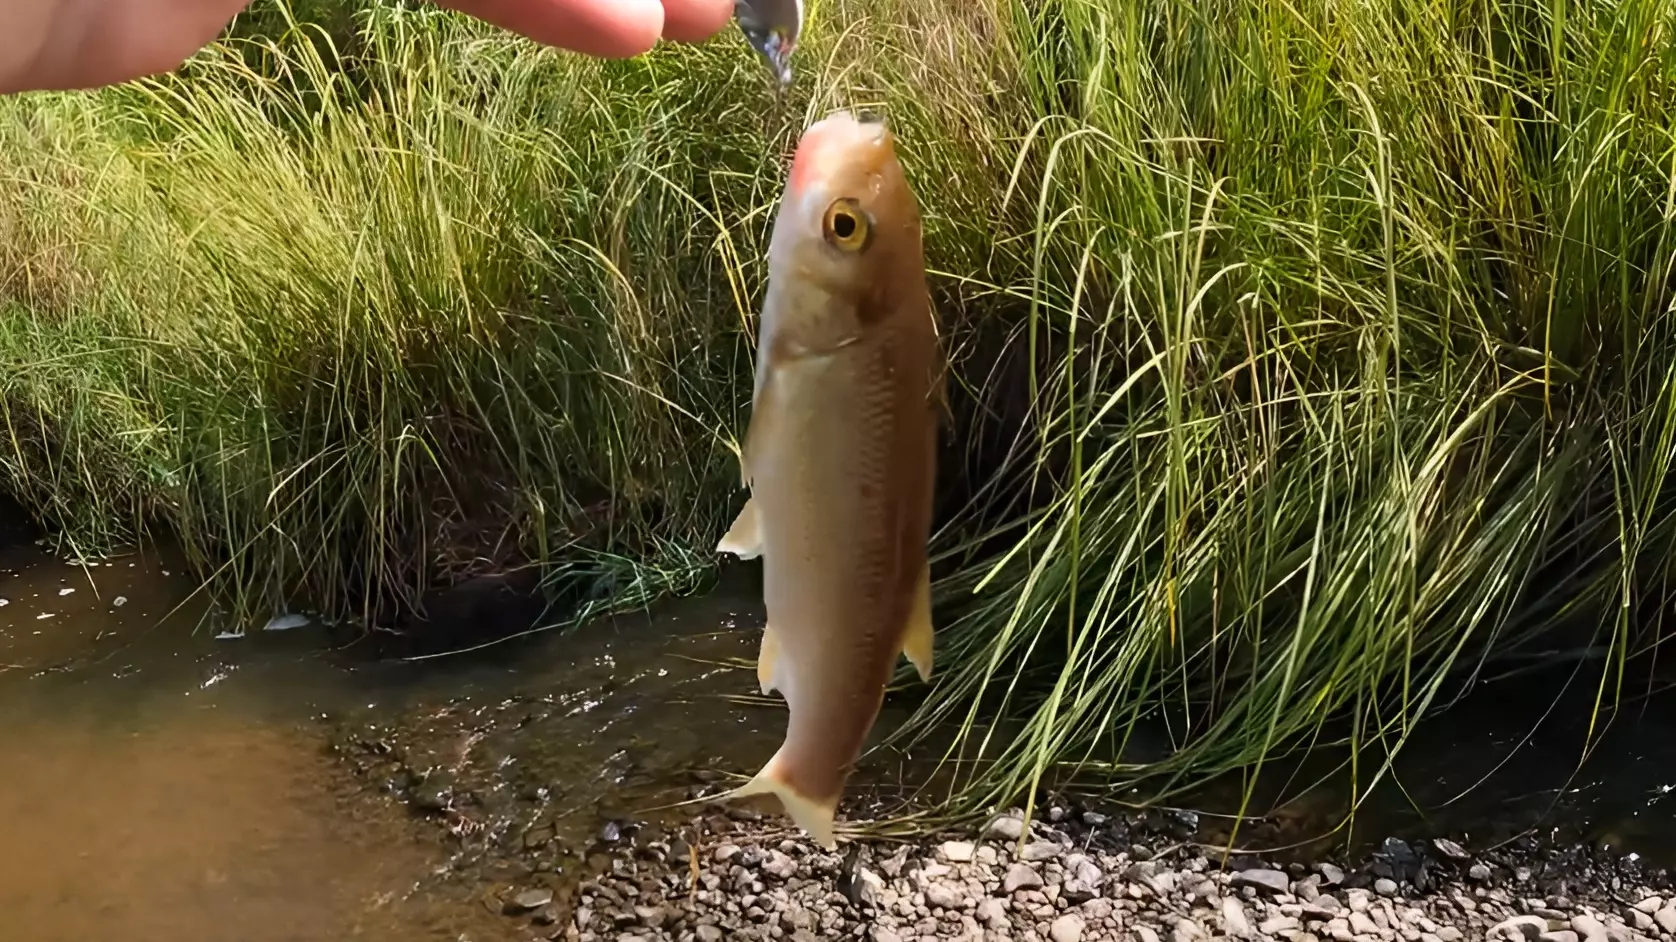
(813,815)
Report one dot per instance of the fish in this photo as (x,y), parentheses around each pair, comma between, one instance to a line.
(772,27)
(840,457)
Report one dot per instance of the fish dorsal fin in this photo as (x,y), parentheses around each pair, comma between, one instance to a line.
(744,538)
(917,635)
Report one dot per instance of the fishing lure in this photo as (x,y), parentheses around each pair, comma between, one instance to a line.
(772,28)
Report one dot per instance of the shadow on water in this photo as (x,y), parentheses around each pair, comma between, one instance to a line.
(169,784)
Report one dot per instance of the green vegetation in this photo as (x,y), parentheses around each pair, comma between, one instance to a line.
(1310,353)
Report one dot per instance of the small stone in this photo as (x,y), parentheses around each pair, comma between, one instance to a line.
(1340,929)
(1666,918)
(1067,928)
(725,852)
(1186,930)
(881,934)
(779,866)
(1006,827)
(1449,848)
(1331,874)
(1363,924)
(1640,920)
(1271,881)
(1449,934)
(1040,850)
(1650,905)
(992,913)
(1385,887)
(942,896)
(528,900)
(1519,927)
(957,851)
(1274,925)
(1021,877)
(1558,935)
(1588,927)
(1145,933)
(1478,873)
(653,916)
(1234,920)
(710,933)
(1308,888)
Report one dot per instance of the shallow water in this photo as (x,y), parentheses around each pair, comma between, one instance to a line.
(159,783)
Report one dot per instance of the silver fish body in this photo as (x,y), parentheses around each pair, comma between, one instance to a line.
(840,458)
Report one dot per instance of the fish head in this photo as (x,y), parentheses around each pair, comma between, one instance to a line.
(847,235)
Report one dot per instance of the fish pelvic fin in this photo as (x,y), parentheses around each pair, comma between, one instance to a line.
(744,538)
(917,636)
(767,658)
(813,815)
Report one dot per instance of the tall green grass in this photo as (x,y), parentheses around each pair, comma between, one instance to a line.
(1310,356)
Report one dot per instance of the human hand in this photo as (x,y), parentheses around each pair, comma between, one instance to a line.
(78,44)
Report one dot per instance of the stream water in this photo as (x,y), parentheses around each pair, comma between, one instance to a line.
(158,782)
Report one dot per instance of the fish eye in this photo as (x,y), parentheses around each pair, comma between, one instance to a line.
(847,226)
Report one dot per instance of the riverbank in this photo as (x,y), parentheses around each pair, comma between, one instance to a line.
(1082,876)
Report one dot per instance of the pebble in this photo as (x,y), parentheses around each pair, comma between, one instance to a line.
(1067,928)
(1062,887)
(957,851)
(1273,881)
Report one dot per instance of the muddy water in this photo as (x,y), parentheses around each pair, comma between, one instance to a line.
(158,782)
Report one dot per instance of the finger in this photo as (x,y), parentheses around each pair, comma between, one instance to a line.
(691,21)
(610,29)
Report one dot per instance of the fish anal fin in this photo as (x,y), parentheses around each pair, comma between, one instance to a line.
(744,538)
(768,657)
(813,815)
(917,634)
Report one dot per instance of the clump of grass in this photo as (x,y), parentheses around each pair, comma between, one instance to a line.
(1347,323)
(1311,357)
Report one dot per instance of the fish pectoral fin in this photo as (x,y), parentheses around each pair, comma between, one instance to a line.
(744,538)
(917,635)
(768,657)
(813,815)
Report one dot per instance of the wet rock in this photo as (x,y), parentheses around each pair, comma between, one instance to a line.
(528,900)
(1450,849)
(1269,881)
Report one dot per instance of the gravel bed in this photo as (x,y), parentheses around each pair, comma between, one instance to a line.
(1084,877)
